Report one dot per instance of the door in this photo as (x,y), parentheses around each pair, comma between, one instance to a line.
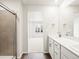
(56,50)
(7,34)
(35,45)
(35,32)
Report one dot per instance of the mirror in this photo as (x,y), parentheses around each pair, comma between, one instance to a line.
(76,26)
(69,22)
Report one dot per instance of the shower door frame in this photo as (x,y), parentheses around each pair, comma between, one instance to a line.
(12,12)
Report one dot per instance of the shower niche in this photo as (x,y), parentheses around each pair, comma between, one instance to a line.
(35,24)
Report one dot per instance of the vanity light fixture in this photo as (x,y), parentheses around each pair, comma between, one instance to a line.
(56,2)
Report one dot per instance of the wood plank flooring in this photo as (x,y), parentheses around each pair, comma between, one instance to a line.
(36,56)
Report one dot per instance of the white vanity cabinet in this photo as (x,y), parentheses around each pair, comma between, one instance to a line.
(66,54)
(56,50)
(59,49)
(51,47)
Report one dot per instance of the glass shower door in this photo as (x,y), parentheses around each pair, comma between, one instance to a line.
(7,35)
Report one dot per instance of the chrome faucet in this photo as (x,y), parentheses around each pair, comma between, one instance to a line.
(59,34)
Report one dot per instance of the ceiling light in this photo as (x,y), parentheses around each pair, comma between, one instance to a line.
(66,3)
(56,2)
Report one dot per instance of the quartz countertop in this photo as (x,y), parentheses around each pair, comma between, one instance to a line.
(67,43)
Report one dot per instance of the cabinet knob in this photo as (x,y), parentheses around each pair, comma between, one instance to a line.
(50,44)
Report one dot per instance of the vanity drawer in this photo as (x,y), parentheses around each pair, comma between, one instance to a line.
(65,53)
(56,50)
(56,46)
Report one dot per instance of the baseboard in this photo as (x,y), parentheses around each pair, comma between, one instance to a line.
(25,52)
(19,57)
(34,52)
(46,52)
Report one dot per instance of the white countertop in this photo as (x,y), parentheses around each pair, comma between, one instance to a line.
(67,43)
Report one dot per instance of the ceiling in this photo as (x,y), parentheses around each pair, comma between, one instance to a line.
(47,2)
(50,2)
(42,2)
(75,3)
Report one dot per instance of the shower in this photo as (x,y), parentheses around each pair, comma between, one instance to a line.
(8,42)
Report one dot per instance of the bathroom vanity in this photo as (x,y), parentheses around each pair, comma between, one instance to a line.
(63,48)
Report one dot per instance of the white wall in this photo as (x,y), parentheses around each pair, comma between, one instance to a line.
(67,17)
(76,27)
(50,23)
(25,9)
(50,18)
(25,30)
(16,6)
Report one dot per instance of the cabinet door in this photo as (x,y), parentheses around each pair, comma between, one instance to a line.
(51,47)
(64,56)
(56,46)
(56,50)
(56,55)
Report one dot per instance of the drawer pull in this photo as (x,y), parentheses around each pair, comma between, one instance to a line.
(56,45)
(66,56)
(50,45)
